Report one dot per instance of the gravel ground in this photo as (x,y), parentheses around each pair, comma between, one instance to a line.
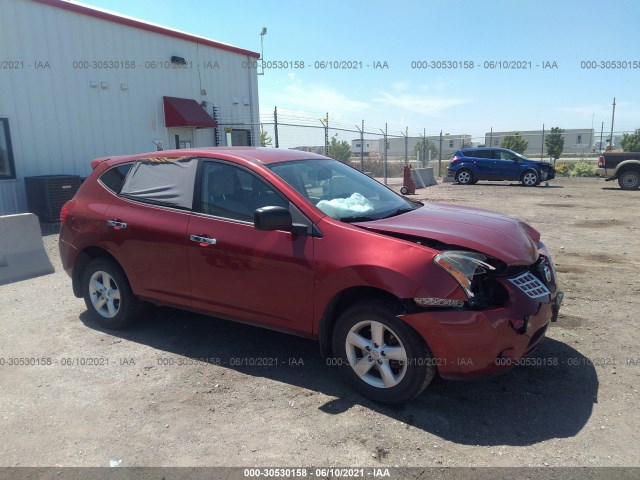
(150,401)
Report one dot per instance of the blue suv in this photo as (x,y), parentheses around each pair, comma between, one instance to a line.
(469,165)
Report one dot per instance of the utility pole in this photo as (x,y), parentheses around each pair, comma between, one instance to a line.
(542,146)
(613,115)
(601,133)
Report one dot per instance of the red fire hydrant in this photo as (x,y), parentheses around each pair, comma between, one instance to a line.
(408,185)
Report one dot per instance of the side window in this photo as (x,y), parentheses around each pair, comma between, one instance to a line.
(500,155)
(113,178)
(232,192)
(506,155)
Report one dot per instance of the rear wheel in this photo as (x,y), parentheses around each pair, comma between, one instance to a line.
(530,178)
(380,356)
(629,180)
(108,295)
(464,177)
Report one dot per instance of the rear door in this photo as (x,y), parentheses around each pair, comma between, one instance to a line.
(482,164)
(238,272)
(147,225)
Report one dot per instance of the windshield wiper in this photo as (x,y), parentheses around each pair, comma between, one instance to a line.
(399,211)
(357,219)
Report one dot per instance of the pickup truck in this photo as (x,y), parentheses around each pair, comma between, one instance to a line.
(622,166)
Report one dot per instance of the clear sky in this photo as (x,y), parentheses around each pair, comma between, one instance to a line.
(455,100)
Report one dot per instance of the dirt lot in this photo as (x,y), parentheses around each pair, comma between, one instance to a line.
(149,402)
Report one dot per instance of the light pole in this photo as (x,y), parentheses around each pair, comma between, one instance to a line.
(263,32)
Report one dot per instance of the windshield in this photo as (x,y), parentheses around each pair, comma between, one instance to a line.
(340,191)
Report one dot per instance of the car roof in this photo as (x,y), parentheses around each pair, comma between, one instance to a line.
(259,155)
(475,149)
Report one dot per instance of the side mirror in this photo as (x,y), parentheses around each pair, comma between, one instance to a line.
(276,218)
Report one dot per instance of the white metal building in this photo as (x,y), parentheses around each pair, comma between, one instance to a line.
(576,140)
(450,144)
(78,83)
(370,147)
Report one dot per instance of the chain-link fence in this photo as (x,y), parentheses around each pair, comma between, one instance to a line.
(382,152)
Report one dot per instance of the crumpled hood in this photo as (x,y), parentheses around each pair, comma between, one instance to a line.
(491,233)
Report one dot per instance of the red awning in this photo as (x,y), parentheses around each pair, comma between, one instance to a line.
(184,112)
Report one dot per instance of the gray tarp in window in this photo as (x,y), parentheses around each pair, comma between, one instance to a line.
(167,182)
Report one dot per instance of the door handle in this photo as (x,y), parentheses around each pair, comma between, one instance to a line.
(116,224)
(203,240)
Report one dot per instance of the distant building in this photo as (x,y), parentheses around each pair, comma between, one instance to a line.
(450,144)
(598,145)
(370,147)
(310,148)
(576,140)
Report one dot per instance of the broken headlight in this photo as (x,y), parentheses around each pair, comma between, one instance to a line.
(477,275)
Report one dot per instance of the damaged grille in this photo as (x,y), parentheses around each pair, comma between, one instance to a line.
(530,285)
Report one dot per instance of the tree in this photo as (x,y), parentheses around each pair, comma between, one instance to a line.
(265,139)
(431,147)
(631,141)
(340,150)
(555,143)
(514,142)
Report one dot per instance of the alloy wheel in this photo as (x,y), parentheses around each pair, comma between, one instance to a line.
(530,179)
(105,294)
(376,354)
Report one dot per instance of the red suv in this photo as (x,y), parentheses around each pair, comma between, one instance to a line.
(394,290)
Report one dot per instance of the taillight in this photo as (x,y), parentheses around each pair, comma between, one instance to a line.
(64,212)
(454,159)
(601,161)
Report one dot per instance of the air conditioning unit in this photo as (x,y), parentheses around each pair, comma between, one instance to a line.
(46,194)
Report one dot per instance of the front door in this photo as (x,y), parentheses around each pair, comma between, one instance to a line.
(505,165)
(236,271)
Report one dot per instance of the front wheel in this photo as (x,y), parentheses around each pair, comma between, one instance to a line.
(629,180)
(530,178)
(107,294)
(380,356)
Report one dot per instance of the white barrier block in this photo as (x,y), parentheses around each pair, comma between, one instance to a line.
(22,252)
(423,177)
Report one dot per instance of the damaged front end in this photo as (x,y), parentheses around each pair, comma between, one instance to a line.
(506,314)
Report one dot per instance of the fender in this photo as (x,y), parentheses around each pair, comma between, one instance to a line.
(634,164)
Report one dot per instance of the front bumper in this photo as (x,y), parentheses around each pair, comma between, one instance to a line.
(473,343)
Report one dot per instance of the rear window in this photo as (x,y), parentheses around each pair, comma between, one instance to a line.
(477,153)
(162,181)
(113,178)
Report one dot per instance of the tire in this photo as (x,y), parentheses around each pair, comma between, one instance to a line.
(530,178)
(108,296)
(404,190)
(381,378)
(464,177)
(629,180)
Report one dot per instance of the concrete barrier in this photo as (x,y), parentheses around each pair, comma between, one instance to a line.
(423,177)
(22,252)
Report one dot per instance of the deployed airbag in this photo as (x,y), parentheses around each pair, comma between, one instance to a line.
(345,207)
